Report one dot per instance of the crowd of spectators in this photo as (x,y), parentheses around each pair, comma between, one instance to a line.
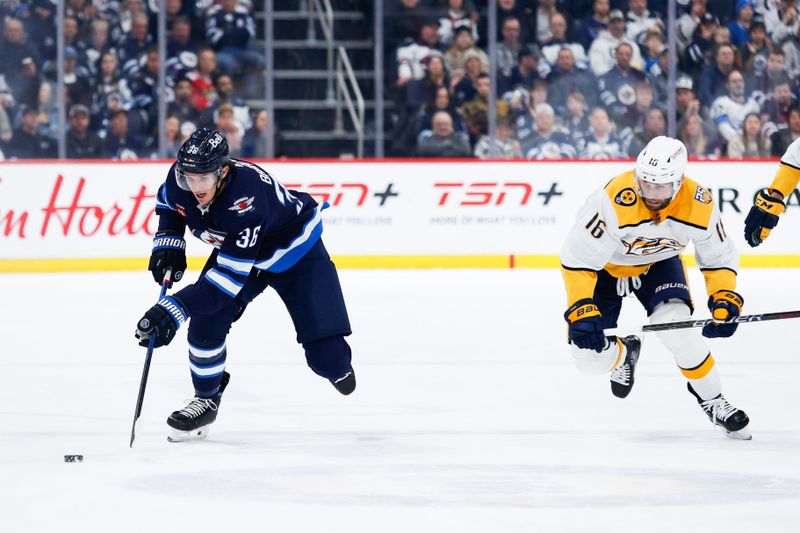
(589,78)
(111,64)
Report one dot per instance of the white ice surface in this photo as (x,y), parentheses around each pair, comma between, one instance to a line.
(469,417)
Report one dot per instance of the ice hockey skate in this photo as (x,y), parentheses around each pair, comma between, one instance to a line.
(721,413)
(193,421)
(622,376)
(345,384)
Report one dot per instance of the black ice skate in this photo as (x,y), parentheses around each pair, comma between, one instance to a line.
(622,376)
(347,383)
(721,413)
(193,421)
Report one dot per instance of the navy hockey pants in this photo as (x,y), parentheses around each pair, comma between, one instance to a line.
(313,296)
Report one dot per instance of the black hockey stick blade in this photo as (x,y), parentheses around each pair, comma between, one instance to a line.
(147,358)
(700,323)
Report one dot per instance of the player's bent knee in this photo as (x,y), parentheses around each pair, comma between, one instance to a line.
(328,357)
(591,362)
(685,345)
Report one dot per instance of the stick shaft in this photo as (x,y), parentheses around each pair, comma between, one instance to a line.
(700,323)
(147,358)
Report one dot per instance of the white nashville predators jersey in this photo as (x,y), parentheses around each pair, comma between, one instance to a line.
(788,174)
(615,231)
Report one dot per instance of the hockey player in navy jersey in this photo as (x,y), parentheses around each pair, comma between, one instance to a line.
(264,236)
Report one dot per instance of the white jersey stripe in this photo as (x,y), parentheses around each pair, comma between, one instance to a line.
(201,353)
(303,237)
(223,282)
(206,371)
(235,265)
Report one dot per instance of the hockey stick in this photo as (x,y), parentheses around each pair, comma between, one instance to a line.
(147,358)
(700,323)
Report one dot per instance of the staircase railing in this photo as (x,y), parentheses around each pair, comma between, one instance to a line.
(322,11)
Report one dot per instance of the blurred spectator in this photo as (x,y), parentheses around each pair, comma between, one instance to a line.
(754,53)
(576,120)
(464,88)
(558,25)
(442,140)
(523,106)
(108,81)
(783,138)
(173,9)
(750,142)
(601,142)
(410,57)
(591,26)
(459,13)
(526,72)
(777,106)
(228,126)
(174,138)
(653,48)
(182,105)
(714,77)
(130,8)
(476,111)
(254,143)
(517,9)
(698,53)
(402,20)
(686,101)
(698,143)
(42,24)
(77,80)
(6,102)
(26,141)
(639,20)
(729,110)
(241,112)
(791,50)
(144,85)
(419,92)
(71,33)
(229,28)
(456,55)
(655,124)
(441,102)
(545,10)
(565,79)
(782,23)
(19,61)
(761,84)
(98,45)
(740,28)
(509,47)
(602,51)
(180,38)
(688,23)
(135,43)
(82,10)
(504,146)
(618,85)
(203,92)
(81,142)
(658,76)
(547,142)
(634,115)
(119,142)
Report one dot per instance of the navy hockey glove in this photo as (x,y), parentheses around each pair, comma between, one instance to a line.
(763,216)
(725,307)
(585,326)
(169,251)
(161,320)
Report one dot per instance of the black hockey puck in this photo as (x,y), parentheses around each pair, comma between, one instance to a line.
(73,458)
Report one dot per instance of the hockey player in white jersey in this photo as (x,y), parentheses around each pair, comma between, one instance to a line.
(768,205)
(627,241)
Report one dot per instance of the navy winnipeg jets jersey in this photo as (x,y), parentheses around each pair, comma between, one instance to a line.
(254,222)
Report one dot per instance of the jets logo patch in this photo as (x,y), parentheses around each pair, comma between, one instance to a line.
(242,205)
(702,195)
(626,197)
(212,237)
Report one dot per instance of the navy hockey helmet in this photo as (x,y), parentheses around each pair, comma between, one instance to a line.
(204,152)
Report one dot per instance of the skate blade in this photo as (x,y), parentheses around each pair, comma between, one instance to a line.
(742,434)
(177,435)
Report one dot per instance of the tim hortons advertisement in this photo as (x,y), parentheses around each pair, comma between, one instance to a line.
(105,210)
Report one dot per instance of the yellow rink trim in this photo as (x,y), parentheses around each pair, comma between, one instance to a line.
(361,262)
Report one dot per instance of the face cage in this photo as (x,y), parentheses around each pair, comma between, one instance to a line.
(183,180)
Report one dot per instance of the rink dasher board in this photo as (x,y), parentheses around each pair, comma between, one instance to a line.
(90,216)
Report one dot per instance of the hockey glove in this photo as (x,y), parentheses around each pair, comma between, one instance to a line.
(585,327)
(763,216)
(169,252)
(725,307)
(161,320)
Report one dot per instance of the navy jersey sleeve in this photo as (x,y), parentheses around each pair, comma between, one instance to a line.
(170,220)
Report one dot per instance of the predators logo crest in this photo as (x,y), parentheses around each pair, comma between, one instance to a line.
(626,197)
(644,246)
